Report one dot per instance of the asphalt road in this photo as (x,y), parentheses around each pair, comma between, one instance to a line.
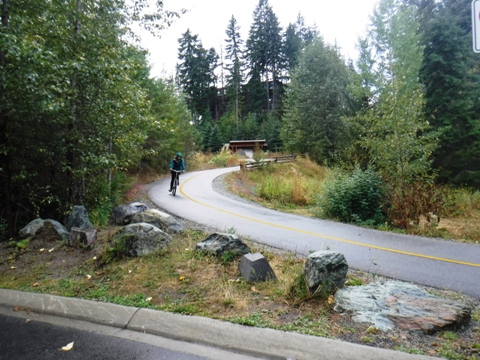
(42,341)
(28,335)
(37,326)
(433,262)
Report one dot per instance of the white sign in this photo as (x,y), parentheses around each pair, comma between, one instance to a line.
(476,25)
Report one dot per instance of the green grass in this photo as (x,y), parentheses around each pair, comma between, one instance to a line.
(409,350)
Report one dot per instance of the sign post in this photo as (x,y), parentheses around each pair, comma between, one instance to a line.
(476,25)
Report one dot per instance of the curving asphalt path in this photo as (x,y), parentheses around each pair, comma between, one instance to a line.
(433,262)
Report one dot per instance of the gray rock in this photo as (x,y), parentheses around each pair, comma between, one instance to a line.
(162,220)
(78,219)
(141,239)
(255,267)
(325,271)
(218,243)
(122,214)
(392,304)
(60,230)
(82,237)
(47,228)
(31,228)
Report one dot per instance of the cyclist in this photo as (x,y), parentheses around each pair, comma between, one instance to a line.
(177,164)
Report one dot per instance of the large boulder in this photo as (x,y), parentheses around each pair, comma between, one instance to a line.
(46,228)
(78,218)
(162,220)
(390,304)
(122,214)
(325,271)
(140,239)
(31,228)
(219,243)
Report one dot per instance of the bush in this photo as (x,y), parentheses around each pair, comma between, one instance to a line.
(104,194)
(408,201)
(3,229)
(354,197)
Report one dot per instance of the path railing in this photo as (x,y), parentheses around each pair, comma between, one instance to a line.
(251,163)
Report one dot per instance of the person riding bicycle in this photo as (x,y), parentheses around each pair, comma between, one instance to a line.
(176,164)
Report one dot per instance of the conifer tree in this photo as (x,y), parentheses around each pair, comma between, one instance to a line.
(234,54)
(316,102)
(451,74)
(264,54)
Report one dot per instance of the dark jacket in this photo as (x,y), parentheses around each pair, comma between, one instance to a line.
(177,165)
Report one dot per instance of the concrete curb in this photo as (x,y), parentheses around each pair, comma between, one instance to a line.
(261,342)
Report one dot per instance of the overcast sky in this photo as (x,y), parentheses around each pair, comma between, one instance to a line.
(339,22)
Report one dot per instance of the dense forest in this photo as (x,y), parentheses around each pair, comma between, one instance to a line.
(79,110)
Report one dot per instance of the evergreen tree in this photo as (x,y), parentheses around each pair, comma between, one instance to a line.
(264,54)
(250,128)
(235,67)
(451,74)
(297,36)
(216,106)
(316,102)
(195,74)
(215,139)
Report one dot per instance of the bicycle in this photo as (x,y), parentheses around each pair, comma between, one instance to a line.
(176,182)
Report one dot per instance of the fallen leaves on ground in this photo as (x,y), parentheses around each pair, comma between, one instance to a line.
(68,347)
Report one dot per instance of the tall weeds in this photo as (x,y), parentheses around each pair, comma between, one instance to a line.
(289,184)
(409,201)
(463,203)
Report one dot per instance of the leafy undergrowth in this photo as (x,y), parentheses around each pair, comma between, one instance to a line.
(182,280)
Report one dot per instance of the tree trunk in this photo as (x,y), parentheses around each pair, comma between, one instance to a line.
(71,159)
(6,210)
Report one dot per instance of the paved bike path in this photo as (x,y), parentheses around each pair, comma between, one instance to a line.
(433,262)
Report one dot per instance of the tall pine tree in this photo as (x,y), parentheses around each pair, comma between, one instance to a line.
(316,103)
(195,75)
(451,74)
(264,54)
(234,54)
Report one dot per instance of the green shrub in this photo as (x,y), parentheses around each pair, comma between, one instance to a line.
(117,249)
(228,256)
(3,229)
(21,244)
(353,197)
(462,202)
(104,195)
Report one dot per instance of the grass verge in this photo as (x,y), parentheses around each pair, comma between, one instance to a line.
(184,281)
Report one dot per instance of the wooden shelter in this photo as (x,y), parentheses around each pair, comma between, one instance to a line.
(246,145)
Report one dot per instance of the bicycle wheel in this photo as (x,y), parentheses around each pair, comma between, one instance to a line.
(174,188)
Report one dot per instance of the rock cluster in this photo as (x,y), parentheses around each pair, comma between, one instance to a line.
(385,305)
(47,227)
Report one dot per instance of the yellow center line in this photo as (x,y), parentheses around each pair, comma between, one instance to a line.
(322,235)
